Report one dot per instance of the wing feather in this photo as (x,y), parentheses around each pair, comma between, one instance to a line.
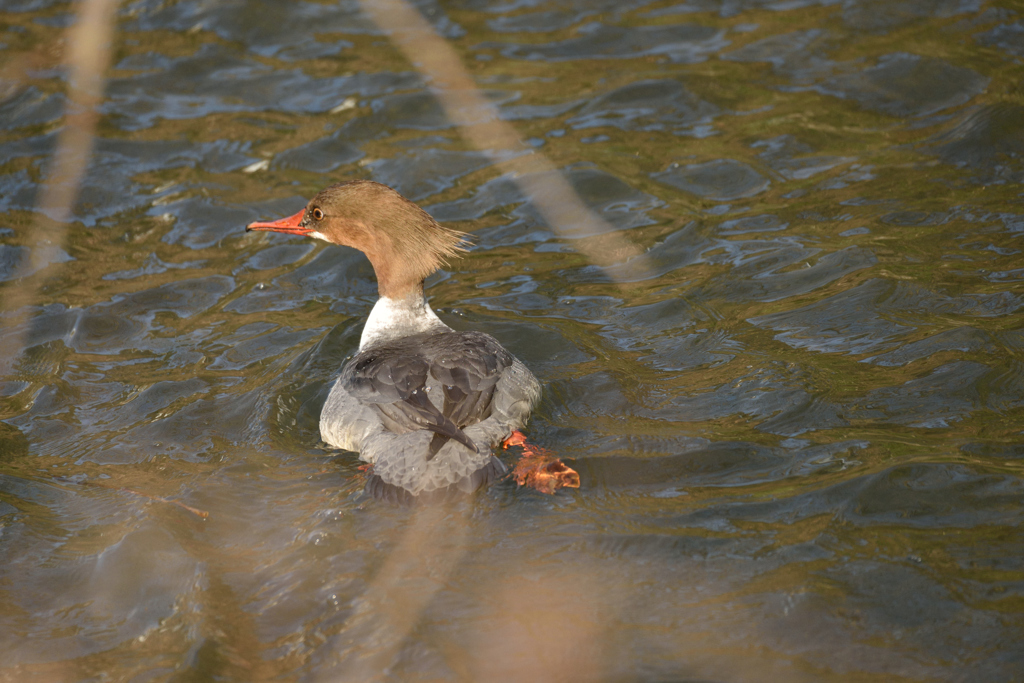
(393,380)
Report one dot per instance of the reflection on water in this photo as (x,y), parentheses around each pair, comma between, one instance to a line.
(798,419)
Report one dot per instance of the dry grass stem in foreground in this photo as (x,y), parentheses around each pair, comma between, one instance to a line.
(480,124)
(87,57)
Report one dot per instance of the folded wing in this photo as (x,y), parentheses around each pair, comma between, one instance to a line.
(400,381)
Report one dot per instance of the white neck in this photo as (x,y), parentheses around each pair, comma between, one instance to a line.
(393,319)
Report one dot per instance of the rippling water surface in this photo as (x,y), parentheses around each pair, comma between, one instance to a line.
(799,426)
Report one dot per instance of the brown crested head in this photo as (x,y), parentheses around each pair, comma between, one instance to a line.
(402,241)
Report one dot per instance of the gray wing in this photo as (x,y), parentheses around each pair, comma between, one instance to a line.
(393,379)
(427,409)
(395,386)
(468,365)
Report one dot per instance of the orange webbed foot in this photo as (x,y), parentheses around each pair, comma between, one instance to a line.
(545,473)
(516,438)
(539,468)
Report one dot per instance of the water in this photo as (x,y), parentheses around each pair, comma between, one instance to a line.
(798,426)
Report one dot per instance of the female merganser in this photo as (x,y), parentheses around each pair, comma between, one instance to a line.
(422,403)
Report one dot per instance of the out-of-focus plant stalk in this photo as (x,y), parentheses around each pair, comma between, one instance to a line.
(87,57)
(480,124)
(430,549)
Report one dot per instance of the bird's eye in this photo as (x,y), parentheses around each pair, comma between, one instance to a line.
(317,213)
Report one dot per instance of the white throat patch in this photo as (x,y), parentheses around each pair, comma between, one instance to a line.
(396,318)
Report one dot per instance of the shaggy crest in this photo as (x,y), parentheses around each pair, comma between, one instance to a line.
(403,242)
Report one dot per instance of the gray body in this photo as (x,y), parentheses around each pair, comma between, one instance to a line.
(427,409)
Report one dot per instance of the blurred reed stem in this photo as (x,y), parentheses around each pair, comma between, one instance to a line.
(479,122)
(87,57)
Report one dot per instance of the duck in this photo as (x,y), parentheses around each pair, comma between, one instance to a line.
(423,404)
